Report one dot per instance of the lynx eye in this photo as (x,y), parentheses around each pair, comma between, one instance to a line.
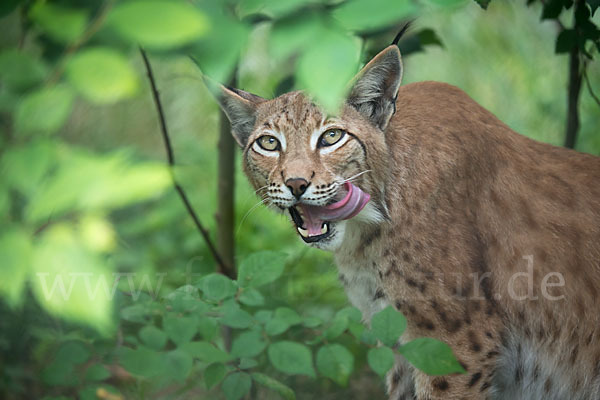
(331,137)
(269,143)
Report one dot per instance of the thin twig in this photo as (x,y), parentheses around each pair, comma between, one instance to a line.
(94,26)
(589,85)
(22,28)
(224,268)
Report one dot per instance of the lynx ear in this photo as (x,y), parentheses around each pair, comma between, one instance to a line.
(376,87)
(240,108)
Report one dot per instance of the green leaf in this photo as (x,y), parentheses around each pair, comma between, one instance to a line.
(185,300)
(381,359)
(594,4)
(291,358)
(58,373)
(236,385)
(217,287)
(102,75)
(5,200)
(448,3)
(431,356)
(388,325)
(20,70)
(26,164)
(316,340)
(248,344)
(483,3)
(261,268)
(356,329)
(251,297)
(139,313)
(335,362)
(337,327)
(206,352)
(44,111)
(89,182)
(8,6)
(288,315)
(70,281)
(283,318)
(552,9)
(178,364)
(589,31)
(247,363)
(16,250)
(429,37)
(213,374)
(327,66)
(352,313)
(235,317)
(263,316)
(368,337)
(73,352)
(276,326)
(96,372)
(159,24)
(207,327)
(60,23)
(275,385)
(180,329)
(153,337)
(312,322)
(271,8)
(367,15)
(142,361)
(293,34)
(217,53)
(566,40)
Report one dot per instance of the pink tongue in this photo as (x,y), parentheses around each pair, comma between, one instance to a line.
(352,203)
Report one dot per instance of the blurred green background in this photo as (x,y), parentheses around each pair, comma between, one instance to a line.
(504,57)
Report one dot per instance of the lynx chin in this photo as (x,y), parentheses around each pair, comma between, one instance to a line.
(481,237)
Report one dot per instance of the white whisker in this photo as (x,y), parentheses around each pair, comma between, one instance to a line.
(339,183)
(355,176)
(248,213)
(260,188)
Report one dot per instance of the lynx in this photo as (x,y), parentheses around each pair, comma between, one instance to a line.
(481,237)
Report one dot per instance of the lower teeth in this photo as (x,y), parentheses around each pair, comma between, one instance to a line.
(324,230)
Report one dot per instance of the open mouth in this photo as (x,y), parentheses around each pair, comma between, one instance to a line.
(304,232)
(313,222)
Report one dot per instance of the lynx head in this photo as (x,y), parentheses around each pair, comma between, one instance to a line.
(322,169)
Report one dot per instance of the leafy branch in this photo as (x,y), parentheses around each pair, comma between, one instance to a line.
(94,27)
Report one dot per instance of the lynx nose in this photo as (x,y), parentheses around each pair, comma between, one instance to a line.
(297,186)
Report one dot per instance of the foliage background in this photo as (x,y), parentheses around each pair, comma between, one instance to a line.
(503,57)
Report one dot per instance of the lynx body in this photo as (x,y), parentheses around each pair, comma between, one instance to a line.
(481,237)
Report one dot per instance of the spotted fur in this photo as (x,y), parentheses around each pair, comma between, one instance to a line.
(481,237)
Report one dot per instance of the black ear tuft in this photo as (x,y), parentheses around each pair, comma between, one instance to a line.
(376,87)
(403,30)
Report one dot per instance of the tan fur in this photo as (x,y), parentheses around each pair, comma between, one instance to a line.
(460,204)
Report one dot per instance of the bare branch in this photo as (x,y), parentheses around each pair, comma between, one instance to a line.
(589,85)
(223,268)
